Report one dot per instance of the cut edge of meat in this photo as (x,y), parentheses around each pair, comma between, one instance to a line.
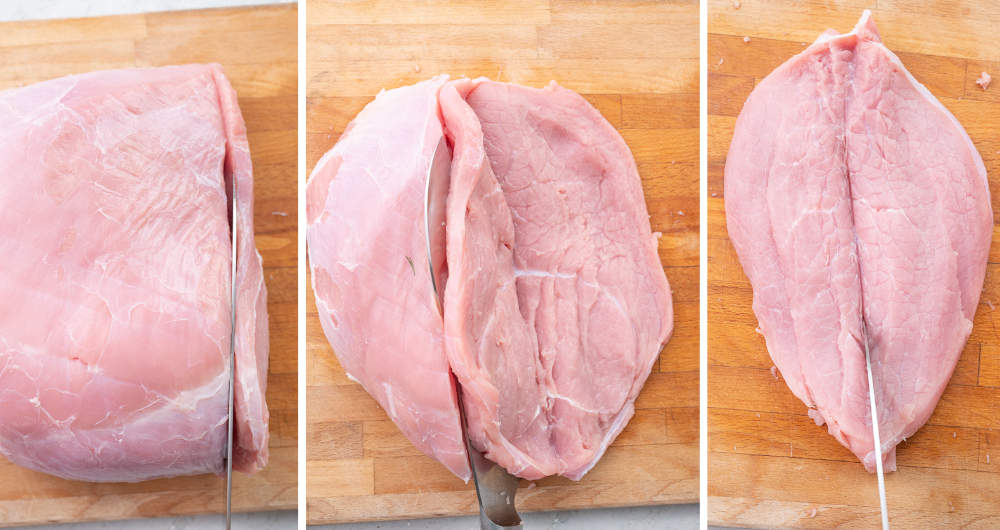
(251,435)
(649,251)
(471,169)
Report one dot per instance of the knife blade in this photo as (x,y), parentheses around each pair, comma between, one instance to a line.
(875,433)
(232,363)
(495,487)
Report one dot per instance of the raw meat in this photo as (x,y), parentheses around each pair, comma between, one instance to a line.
(555,303)
(368,256)
(853,196)
(556,299)
(114,333)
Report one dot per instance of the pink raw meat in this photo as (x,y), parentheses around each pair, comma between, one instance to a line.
(368,255)
(114,333)
(555,304)
(853,195)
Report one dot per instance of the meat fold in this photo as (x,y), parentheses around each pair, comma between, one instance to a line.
(368,257)
(555,303)
(855,202)
(114,331)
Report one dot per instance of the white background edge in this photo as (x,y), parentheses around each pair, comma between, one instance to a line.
(301,233)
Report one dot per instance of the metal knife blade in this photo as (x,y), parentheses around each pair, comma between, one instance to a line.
(232,364)
(875,433)
(495,487)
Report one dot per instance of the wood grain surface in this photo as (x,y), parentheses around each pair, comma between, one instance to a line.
(257,48)
(637,62)
(769,465)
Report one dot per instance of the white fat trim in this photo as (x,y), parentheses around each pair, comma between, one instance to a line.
(616,427)
(542,274)
(390,400)
(572,402)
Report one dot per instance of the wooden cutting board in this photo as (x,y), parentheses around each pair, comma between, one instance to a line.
(637,62)
(257,48)
(769,465)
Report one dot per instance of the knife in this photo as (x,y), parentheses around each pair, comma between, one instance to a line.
(495,487)
(875,434)
(232,364)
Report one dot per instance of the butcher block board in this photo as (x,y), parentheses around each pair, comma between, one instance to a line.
(769,465)
(257,49)
(637,62)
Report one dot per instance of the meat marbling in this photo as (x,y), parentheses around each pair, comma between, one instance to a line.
(114,331)
(555,303)
(855,200)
